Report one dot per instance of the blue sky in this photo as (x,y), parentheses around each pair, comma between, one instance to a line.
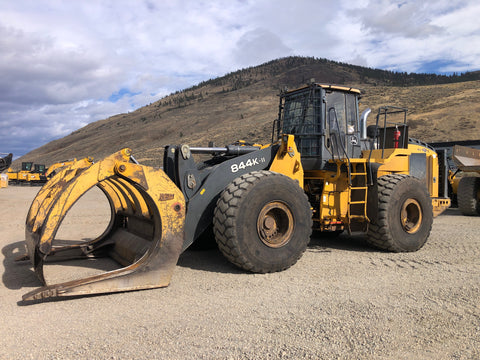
(64,64)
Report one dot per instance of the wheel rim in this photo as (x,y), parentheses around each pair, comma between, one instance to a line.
(411,216)
(275,224)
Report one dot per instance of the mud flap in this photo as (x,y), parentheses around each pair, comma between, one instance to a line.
(144,235)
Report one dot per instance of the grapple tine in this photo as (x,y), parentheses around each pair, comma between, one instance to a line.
(145,233)
(46,191)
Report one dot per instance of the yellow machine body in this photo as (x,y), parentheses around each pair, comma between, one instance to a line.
(336,200)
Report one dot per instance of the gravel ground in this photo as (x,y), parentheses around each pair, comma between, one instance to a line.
(343,300)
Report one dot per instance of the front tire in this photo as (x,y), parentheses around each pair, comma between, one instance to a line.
(404,215)
(263,222)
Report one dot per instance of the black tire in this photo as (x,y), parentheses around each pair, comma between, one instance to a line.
(468,196)
(263,222)
(404,216)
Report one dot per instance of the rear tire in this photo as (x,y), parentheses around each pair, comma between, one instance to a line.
(404,216)
(263,222)
(468,196)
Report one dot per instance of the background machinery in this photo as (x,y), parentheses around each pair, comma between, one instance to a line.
(38,174)
(468,190)
(463,159)
(5,161)
(21,177)
(325,169)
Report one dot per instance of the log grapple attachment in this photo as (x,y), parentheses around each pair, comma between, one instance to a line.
(144,235)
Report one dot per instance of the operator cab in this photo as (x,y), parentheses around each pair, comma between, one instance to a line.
(27,166)
(325,122)
(39,168)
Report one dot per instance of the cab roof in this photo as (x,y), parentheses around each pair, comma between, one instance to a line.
(326,86)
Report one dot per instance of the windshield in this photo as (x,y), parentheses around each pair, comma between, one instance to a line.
(301,113)
(302,117)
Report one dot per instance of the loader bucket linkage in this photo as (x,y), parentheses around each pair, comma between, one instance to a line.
(145,233)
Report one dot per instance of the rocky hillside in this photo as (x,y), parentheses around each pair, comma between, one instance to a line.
(243,104)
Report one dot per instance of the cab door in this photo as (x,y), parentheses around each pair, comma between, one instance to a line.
(342,124)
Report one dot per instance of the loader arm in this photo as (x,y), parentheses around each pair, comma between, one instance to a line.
(203,184)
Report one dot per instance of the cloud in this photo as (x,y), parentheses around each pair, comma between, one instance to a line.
(258,46)
(410,35)
(407,19)
(35,70)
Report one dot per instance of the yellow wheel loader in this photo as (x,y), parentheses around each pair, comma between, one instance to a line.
(325,170)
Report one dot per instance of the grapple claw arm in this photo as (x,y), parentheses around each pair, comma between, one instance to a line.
(145,232)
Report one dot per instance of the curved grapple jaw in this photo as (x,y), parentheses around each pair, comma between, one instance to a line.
(144,235)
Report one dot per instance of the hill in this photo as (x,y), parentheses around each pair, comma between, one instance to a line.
(243,104)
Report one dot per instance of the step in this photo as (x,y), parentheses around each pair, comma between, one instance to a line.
(356,217)
(358,188)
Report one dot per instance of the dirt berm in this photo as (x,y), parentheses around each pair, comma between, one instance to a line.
(343,300)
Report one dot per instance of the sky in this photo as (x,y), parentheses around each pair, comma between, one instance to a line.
(65,64)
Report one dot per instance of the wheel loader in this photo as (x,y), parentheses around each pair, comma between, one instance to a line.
(325,170)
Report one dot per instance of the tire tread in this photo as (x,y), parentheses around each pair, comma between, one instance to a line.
(225,225)
(379,233)
(468,189)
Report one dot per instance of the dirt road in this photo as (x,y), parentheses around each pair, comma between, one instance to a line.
(343,299)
